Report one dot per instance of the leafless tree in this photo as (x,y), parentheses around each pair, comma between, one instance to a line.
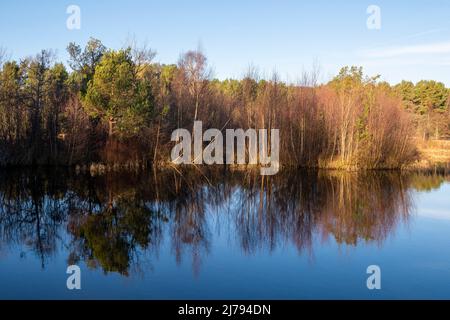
(194,67)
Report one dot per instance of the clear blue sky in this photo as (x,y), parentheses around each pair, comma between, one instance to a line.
(288,36)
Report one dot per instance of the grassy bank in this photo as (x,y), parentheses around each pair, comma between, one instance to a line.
(432,155)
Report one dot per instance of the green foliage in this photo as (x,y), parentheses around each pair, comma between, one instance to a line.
(351,78)
(423,97)
(11,121)
(117,94)
(428,100)
(83,62)
(430,95)
(406,91)
(168,74)
(111,236)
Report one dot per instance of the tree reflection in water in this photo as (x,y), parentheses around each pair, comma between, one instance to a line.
(114,221)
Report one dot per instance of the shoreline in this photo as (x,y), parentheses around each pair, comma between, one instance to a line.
(101,168)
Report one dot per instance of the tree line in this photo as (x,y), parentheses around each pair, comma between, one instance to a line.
(119,108)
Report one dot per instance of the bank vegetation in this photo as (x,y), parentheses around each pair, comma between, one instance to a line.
(118,108)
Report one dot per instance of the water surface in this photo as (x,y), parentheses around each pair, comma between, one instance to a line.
(214,234)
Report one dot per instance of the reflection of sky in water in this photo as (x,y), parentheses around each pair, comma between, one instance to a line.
(435,205)
(236,263)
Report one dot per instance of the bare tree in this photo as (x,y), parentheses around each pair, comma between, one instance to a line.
(142,55)
(194,66)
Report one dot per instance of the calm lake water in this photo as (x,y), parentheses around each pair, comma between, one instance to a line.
(218,235)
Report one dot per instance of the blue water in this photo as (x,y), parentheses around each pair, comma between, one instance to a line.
(228,258)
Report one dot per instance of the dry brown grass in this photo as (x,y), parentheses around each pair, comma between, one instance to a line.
(433,152)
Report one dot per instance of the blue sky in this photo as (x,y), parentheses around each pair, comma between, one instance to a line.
(287,36)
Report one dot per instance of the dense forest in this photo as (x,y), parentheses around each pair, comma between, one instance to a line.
(118,108)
